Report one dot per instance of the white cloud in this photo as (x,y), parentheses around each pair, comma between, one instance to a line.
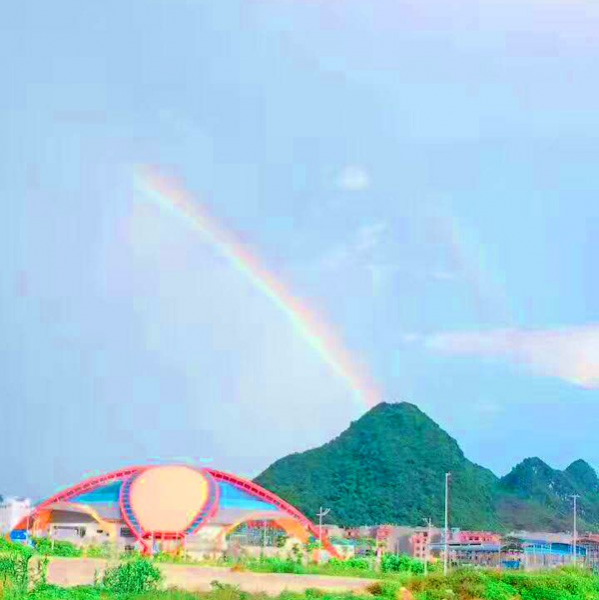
(571,354)
(354,178)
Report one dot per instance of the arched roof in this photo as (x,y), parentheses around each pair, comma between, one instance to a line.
(126,474)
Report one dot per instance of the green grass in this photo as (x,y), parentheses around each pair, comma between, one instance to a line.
(392,567)
(141,579)
(559,584)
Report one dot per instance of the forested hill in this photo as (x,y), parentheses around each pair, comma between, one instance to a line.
(389,467)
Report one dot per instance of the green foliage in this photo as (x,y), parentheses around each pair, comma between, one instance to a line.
(47,547)
(40,577)
(132,576)
(133,580)
(392,563)
(274,565)
(535,496)
(14,567)
(385,589)
(226,591)
(564,584)
(499,590)
(389,467)
(281,540)
(54,592)
(97,551)
(178,558)
(130,554)
(359,564)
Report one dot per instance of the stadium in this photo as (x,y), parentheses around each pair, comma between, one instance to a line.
(169,508)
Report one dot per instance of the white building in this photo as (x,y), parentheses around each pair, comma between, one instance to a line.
(12,510)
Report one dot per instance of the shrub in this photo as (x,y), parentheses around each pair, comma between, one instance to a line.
(386,589)
(275,565)
(226,591)
(47,547)
(132,576)
(362,564)
(393,563)
(95,551)
(14,566)
(54,592)
(499,590)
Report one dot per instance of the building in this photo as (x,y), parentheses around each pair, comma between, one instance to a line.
(590,543)
(467,546)
(419,542)
(345,548)
(543,554)
(168,508)
(333,531)
(476,537)
(548,536)
(12,510)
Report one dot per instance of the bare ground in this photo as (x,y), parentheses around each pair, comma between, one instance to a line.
(80,571)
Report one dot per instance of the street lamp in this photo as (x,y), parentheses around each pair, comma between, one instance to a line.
(574,532)
(446,542)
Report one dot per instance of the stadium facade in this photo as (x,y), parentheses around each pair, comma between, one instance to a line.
(168,506)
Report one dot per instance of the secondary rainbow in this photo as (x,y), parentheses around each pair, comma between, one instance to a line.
(173,197)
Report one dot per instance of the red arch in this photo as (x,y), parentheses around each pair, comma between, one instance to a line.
(87,485)
(254,489)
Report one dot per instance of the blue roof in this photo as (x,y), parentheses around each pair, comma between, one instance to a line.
(553,549)
(233,497)
(103,495)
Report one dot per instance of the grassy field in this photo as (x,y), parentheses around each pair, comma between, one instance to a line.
(141,579)
(466,585)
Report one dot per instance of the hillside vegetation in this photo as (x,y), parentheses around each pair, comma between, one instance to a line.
(389,466)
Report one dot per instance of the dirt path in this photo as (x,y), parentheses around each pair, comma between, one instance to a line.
(80,571)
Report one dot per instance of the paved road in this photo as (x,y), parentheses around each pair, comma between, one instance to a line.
(80,571)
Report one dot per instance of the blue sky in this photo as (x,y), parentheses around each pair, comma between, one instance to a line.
(423,174)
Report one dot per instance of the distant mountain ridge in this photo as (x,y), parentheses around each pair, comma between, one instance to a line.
(533,495)
(389,466)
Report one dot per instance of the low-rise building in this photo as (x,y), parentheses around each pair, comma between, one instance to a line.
(476,537)
(420,542)
(12,510)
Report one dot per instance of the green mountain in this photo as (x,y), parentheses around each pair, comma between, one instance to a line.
(535,496)
(389,467)
(583,476)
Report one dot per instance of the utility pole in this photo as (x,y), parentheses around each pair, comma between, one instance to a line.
(427,551)
(574,532)
(320,514)
(446,541)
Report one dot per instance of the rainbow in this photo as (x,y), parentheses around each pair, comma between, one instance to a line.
(173,197)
